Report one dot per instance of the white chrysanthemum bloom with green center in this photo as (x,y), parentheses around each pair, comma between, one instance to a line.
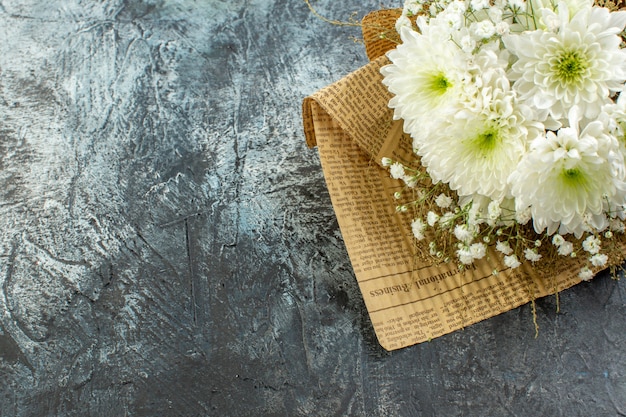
(425,76)
(579,64)
(569,180)
(473,156)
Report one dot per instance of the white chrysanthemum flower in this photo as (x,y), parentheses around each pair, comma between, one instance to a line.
(532,255)
(443,201)
(585,273)
(599,259)
(475,155)
(579,65)
(566,248)
(568,181)
(425,77)
(592,245)
(417,227)
(511,261)
(504,247)
(386,161)
(396,170)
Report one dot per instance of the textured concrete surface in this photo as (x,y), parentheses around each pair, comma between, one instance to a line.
(168,247)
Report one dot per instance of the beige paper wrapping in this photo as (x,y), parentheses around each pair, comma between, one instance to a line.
(409,299)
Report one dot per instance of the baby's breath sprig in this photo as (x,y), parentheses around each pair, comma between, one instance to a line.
(463,230)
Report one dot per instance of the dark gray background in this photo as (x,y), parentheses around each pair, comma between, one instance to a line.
(168,247)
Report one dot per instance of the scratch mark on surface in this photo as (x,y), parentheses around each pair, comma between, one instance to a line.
(180,220)
(156,252)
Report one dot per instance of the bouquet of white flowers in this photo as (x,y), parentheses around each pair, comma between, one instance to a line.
(518,126)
